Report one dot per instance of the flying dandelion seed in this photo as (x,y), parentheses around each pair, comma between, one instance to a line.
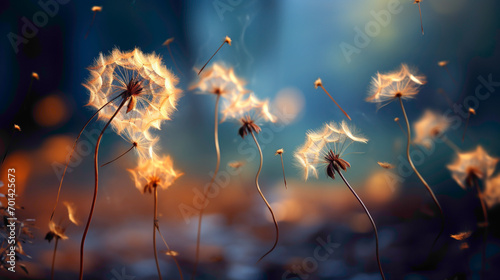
(467,170)
(470,112)
(94,9)
(461,235)
(222,82)
(325,148)
(148,176)
(402,84)
(236,164)
(430,126)
(280,153)
(319,83)
(139,81)
(250,112)
(71,213)
(420,12)
(385,165)
(58,232)
(167,44)
(226,40)
(444,64)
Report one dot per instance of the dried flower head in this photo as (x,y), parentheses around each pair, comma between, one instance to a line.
(491,192)
(71,212)
(385,165)
(236,164)
(222,81)
(472,165)
(55,231)
(442,63)
(96,9)
(279,152)
(249,111)
(35,76)
(168,41)
(155,172)
(461,235)
(318,83)
(472,111)
(140,80)
(403,83)
(429,126)
(326,147)
(17,127)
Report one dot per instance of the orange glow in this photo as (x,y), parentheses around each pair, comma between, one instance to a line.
(381,186)
(21,162)
(50,111)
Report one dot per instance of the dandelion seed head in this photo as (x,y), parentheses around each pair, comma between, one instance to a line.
(71,212)
(147,85)
(492,191)
(227,40)
(55,231)
(168,41)
(469,166)
(35,76)
(385,165)
(96,9)
(403,83)
(222,81)
(442,63)
(429,126)
(279,152)
(461,235)
(154,172)
(325,147)
(472,111)
(318,83)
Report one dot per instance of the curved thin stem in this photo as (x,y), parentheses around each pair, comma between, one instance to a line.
(71,154)
(172,255)
(130,149)
(96,186)
(211,57)
(335,102)
(264,198)
(217,165)
(173,59)
(283,166)
(155,226)
(91,23)
(420,176)
(53,259)
(466,125)
(421,23)
(371,220)
(485,234)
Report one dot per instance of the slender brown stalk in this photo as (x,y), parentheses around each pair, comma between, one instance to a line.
(420,12)
(91,23)
(369,217)
(217,165)
(172,255)
(130,149)
(226,40)
(420,176)
(264,198)
(96,186)
(466,125)
(485,230)
(321,85)
(449,74)
(448,99)
(283,166)
(155,226)
(167,44)
(450,144)
(71,154)
(54,259)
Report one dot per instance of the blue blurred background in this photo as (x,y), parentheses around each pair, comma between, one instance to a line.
(280,48)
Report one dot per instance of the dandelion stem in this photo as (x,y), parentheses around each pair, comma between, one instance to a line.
(172,255)
(449,74)
(71,154)
(173,59)
(450,144)
(211,57)
(200,217)
(369,216)
(335,102)
(448,99)
(155,226)
(264,198)
(420,176)
(130,149)
(96,187)
(283,166)
(485,230)
(53,259)
(91,23)
(466,125)
(421,23)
